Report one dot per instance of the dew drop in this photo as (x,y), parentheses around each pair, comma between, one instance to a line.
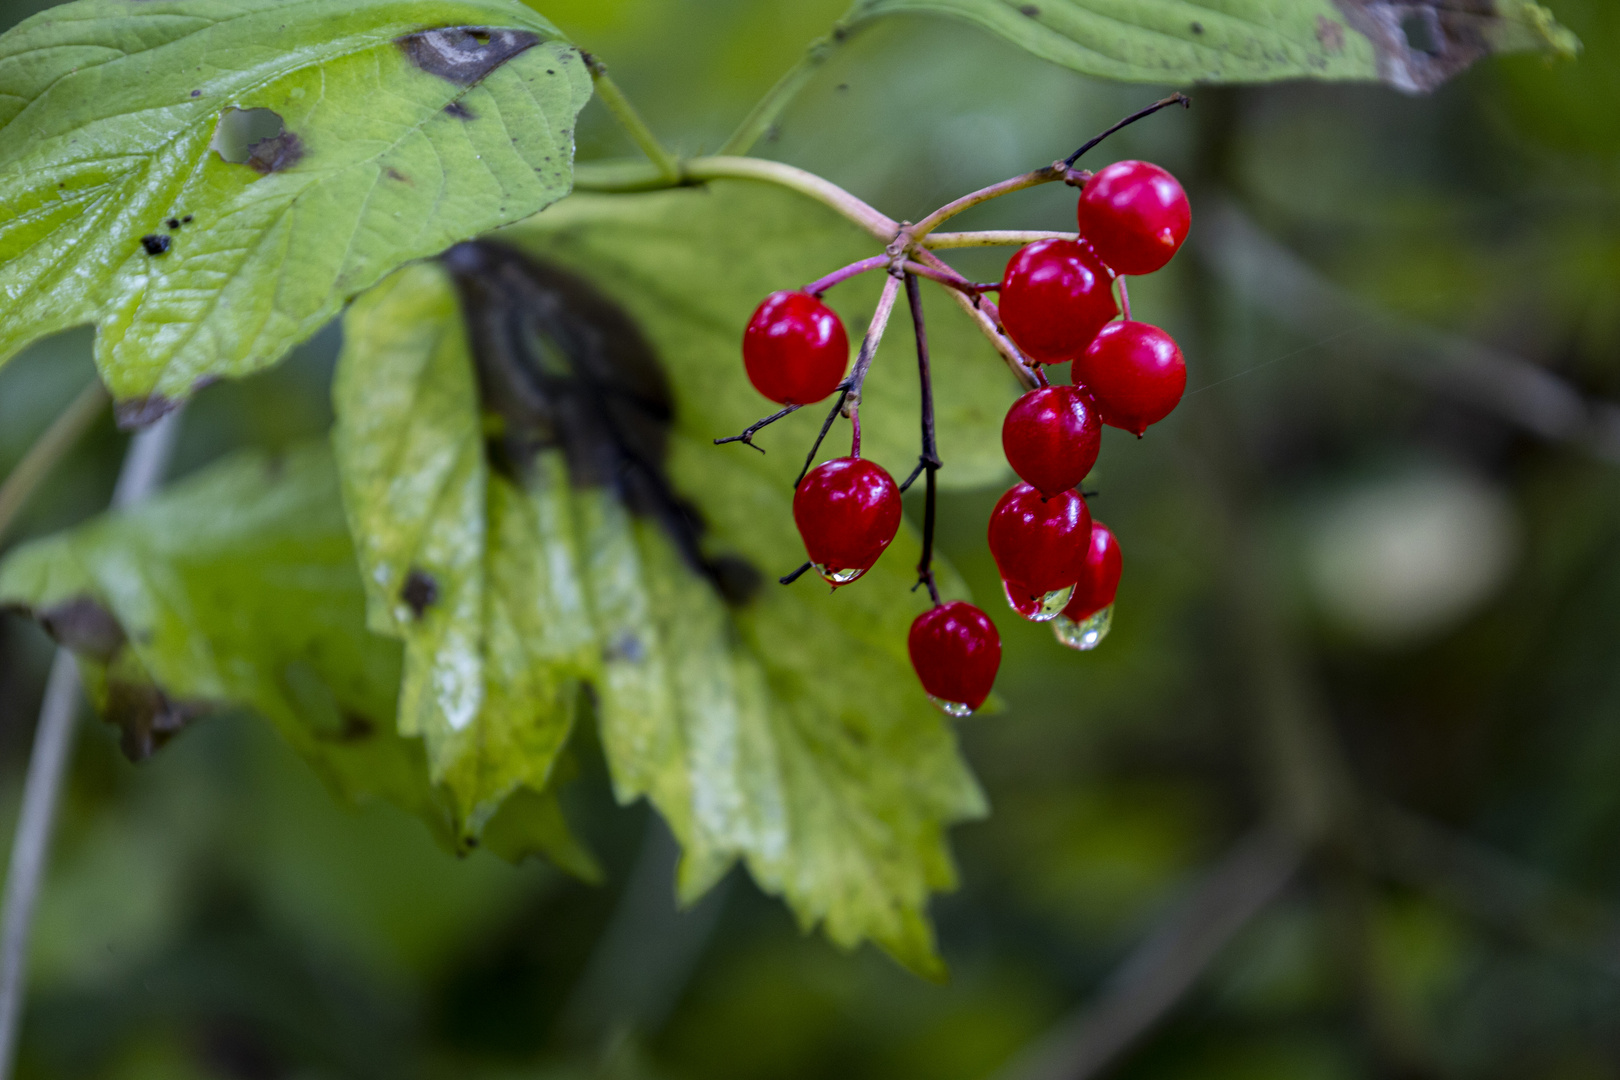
(1086,634)
(957,709)
(1039,608)
(836,578)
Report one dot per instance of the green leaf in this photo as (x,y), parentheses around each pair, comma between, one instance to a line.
(788,732)
(1412,46)
(399,128)
(237,588)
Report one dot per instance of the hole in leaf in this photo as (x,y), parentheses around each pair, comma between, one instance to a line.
(1422,34)
(239,130)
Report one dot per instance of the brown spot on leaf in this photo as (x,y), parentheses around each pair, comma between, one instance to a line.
(421,591)
(1330,34)
(148,717)
(156,244)
(133,414)
(1029,9)
(1198,28)
(465,54)
(275,154)
(173,223)
(1422,43)
(85,627)
(394,174)
(459,111)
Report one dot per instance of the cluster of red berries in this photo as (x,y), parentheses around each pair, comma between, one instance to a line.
(1057,304)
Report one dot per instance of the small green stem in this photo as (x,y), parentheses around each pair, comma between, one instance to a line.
(634,176)
(668,165)
(1056,171)
(992,238)
(763,116)
(51,447)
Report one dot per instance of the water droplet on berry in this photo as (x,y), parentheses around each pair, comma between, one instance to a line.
(836,578)
(1086,634)
(1043,608)
(951,708)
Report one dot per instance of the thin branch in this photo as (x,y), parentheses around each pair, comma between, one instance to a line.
(1044,175)
(748,433)
(844,273)
(49,450)
(930,462)
(992,238)
(144,464)
(788,579)
(1124,299)
(850,397)
(1168,963)
(1174,99)
(668,165)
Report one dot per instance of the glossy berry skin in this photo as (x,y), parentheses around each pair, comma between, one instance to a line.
(956,652)
(795,349)
(1055,296)
(1100,581)
(1051,437)
(1040,544)
(1135,215)
(848,511)
(1135,374)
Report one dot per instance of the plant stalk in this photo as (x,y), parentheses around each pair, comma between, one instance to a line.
(764,115)
(49,450)
(667,164)
(143,469)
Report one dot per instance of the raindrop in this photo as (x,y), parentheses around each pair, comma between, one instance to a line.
(1086,634)
(1038,608)
(836,578)
(951,708)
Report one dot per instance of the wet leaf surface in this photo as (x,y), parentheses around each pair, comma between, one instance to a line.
(397,127)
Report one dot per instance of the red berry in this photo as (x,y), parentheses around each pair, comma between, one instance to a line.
(1055,296)
(956,651)
(848,511)
(1051,437)
(1100,581)
(1135,374)
(1040,544)
(1135,215)
(795,349)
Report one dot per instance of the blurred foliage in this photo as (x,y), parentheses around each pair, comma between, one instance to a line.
(213,913)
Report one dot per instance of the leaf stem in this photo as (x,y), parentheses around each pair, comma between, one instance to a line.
(49,450)
(764,115)
(667,164)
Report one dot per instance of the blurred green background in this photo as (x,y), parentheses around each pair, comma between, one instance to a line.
(1372,563)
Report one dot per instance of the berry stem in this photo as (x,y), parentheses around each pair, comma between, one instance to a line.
(748,433)
(49,450)
(948,278)
(1044,175)
(1124,298)
(1163,103)
(992,238)
(821,285)
(929,462)
(668,165)
(788,579)
(849,397)
(988,318)
(855,429)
